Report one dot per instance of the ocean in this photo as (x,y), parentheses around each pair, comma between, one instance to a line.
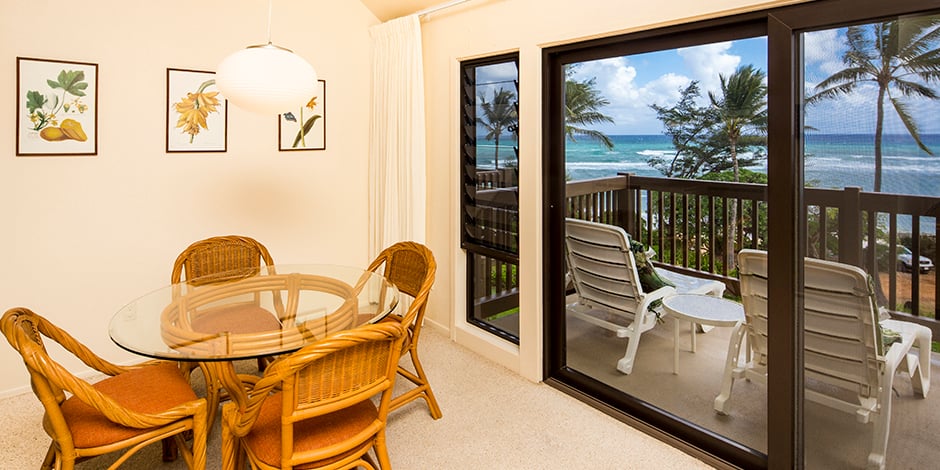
(832,160)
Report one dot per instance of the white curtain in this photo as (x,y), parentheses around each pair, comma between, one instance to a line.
(397,182)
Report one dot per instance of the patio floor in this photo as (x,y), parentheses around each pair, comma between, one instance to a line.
(833,439)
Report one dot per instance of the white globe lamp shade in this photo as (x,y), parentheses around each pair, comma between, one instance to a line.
(266,79)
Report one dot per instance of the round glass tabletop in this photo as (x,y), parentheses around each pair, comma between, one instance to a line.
(247,314)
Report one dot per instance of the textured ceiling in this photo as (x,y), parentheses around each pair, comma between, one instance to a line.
(390,9)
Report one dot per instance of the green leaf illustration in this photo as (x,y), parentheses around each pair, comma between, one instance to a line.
(70,81)
(307,126)
(34,100)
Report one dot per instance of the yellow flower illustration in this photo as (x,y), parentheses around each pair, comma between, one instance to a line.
(195,108)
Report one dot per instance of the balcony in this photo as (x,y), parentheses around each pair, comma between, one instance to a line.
(696,227)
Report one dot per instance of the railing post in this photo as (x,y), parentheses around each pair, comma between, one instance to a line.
(850,227)
(625,205)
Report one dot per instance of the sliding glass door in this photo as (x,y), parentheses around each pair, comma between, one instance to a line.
(775,134)
(872,187)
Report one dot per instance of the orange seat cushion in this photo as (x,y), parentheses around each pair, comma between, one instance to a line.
(264,439)
(150,389)
(236,319)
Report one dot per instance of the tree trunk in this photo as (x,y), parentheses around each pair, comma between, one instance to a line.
(496,154)
(879,129)
(732,213)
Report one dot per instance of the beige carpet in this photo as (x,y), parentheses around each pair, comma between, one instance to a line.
(493,419)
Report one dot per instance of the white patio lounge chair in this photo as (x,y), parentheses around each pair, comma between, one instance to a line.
(843,348)
(604,273)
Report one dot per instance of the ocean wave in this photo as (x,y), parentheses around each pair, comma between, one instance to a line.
(655,153)
(914,158)
(604,165)
(855,168)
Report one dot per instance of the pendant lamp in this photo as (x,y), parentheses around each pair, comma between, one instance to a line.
(266,78)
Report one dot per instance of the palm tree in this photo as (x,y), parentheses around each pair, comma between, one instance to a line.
(741,109)
(499,116)
(582,101)
(898,57)
(741,116)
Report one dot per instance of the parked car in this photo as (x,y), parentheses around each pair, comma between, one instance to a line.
(905,258)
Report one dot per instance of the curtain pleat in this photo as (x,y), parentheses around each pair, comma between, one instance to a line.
(397,181)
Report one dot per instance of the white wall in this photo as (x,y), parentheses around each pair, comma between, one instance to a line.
(488,27)
(85,235)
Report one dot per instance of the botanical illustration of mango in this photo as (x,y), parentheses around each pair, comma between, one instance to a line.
(44,108)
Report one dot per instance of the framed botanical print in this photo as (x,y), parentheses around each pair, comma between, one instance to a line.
(304,128)
(196,115)
(56,107)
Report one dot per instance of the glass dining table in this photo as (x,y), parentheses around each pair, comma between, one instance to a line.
(247,314)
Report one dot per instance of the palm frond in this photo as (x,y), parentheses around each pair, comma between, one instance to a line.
(908,88)
(592,134)
(908,121)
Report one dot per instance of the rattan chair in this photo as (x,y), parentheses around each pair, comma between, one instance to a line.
(220,259)
(314,409)
(134,407)
(411,267)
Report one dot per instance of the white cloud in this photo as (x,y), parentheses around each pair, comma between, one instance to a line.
(708,61)
(629,101)
(665,90)
(822,54)
(822,46)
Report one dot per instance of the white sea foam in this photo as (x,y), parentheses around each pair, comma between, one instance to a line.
(655,153)
(605,165)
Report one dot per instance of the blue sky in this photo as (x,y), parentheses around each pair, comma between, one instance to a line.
(634,82)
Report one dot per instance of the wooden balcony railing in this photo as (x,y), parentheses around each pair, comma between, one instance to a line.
(697,226)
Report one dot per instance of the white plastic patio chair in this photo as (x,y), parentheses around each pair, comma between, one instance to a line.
(842,344)
(604,273)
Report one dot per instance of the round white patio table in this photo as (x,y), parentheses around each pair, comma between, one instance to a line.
(702,310)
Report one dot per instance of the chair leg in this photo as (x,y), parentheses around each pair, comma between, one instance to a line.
(625,364)
(879,440)
(368,459)
(428,394)
(920,379)
(200,437)
(231,447)
(731,362)
(381,451)
(918,367)
(213,394)
(423,389)
(48,463)
(170,450)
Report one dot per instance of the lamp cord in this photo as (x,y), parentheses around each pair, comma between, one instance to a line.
(270,8)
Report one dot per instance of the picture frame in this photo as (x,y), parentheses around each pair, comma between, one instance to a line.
(56,107)
(305,128)
(196,112)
